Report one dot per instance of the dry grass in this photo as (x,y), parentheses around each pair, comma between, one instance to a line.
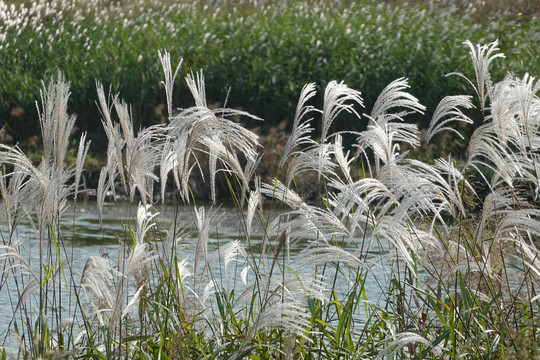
(450,283)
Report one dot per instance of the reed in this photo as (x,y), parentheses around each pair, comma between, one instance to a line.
(451,245)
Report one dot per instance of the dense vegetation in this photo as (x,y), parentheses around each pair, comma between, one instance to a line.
(263,53)
(352,178)
(451,245)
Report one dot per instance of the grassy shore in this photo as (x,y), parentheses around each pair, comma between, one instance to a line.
(456,240)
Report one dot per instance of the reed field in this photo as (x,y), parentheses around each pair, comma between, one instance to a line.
(356,242)
(456,259)
(261,51)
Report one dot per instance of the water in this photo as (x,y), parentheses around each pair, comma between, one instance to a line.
(84,236)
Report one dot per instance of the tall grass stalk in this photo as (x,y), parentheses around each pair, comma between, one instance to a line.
(390,257)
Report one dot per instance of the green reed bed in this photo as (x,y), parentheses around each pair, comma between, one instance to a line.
(262,51)
(452,246)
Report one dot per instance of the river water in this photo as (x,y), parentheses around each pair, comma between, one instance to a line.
(84,236)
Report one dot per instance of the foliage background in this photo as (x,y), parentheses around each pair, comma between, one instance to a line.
(258,55)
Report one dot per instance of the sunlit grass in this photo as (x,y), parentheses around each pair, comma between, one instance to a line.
(398,257)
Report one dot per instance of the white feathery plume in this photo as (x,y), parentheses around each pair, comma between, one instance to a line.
(197,123)
(384,140)
(485,149)
(440,185)
(301,128)
(43,190)
(230,161)
(142,153)
(419,197)
(212,164)
(47,186)
(194,128)
(291,287)
(320,255)
(207,292)
(526,92)
(447,168)
(244,276)
(141,161)
(253,202)
(227,253)
(384,134)
(14,156)
(144,222)
(29,289)
(224,255)
(195,84)
(366,199)
(288,315)
(168,162)
(115,141)
(311,220)
(502,115)
(184,144)
(205,223)
(367,194)
(126,123)
(338,97)
(280,192)
(297,287)
(11,257)
(168,83)
(115,149)
(536,174)
(448,111)
(251,168)
(139,257)
(342,159)
(316,158)
(183,149)
(507,142)
(20,195)
(102,192)
(9,203)
(283,306)
(524,221)
(399,234)
(498,201)
(520,100)
(531,252)
(56,124)
(132,301)
(184,272)
(53,202)
(403,339)
(482,56)
(391,97)
(81,156)
(104,106)
(99,278)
